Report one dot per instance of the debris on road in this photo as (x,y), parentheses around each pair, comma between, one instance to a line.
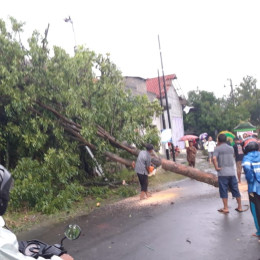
(149,247)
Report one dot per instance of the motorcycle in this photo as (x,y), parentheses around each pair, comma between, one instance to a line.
(36,248)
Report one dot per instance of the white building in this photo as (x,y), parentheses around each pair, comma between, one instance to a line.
(150,87)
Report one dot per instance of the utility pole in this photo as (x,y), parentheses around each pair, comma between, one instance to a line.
(163,119)
(256,95)
(159,83)
(166,97)
(257,103)
(232,92)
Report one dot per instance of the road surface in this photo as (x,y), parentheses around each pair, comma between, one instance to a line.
(181,222)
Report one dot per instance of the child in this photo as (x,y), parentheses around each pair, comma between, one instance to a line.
(191,154)
(177,150)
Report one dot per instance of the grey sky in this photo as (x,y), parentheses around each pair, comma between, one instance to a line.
(204,42)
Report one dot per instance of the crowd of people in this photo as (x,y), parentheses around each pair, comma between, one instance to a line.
(229,162)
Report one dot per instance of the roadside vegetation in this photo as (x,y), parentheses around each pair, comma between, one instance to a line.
(95,197)
(52,106)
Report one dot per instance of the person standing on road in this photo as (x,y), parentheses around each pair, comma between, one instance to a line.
(224,163)
(251,165)
(210,145)
(142,165)
(239,154)
(191,154)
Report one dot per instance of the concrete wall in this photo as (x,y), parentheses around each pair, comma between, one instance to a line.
(136,85)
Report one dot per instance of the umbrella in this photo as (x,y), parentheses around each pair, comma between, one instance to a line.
(249,133)
(166,136)
(188,137)
(230,136)
(203,135)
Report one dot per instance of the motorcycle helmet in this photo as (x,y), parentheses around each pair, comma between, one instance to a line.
(250,144)
(5,185)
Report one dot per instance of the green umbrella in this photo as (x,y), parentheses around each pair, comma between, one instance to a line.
(230,136)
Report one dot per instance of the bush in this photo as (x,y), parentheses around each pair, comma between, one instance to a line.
(46,187)
(99,192)
(126,191)
(125,174)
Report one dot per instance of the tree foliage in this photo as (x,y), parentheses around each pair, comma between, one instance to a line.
(213,115)
(247,97)
(88,89)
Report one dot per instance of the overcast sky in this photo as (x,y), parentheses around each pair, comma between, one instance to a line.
(203,42)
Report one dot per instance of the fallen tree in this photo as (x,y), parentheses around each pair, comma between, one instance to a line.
(57,111)
(190,172)
(73,129)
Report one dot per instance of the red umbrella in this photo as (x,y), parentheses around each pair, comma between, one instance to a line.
(249,133)
(188,137)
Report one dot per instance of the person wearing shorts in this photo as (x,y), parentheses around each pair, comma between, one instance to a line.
(210,144)
(224,163)
(142,170)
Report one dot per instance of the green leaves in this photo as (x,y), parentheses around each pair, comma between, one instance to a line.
(46,186)
(87,89)
(212,114)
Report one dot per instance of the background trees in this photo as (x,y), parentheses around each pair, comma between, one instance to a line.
(247,98)
(213,114)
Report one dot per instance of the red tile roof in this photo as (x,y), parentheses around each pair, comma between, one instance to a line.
(152,85)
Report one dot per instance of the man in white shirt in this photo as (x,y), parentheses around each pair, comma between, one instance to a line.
(210,146)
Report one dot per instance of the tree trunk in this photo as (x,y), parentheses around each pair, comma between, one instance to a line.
(190,172)
(116,158)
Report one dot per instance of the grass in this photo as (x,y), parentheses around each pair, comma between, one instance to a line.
(97,196)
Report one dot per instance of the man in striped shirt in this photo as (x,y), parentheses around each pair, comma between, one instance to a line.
(142,169)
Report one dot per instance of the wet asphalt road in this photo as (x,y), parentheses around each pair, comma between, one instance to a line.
(181,222)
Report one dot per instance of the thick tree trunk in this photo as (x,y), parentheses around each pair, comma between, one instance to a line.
(190,172)
(104,134)
(167,165)
(116,158)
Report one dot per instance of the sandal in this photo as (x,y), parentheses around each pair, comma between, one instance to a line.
(223,211)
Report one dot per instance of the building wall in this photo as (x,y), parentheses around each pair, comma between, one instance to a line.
(176,117)
(136,85)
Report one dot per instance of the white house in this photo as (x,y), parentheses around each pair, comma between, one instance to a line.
(150,87)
